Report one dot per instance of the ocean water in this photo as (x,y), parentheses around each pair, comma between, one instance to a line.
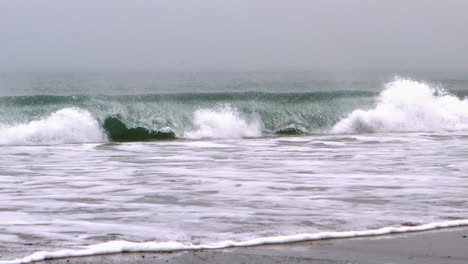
(161,161)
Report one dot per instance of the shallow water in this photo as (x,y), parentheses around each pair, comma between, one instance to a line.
(207,191)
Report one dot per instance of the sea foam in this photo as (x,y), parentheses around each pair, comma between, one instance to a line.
(222,123)
(407,105)
(126,246)
(68,125)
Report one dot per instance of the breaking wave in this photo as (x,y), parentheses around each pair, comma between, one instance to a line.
(169,116)
(68,125)
(406,105)
(223,123)
(403,105)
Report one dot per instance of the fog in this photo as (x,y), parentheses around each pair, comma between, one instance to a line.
(227,35)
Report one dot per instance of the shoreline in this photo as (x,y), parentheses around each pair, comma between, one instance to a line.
(439,246)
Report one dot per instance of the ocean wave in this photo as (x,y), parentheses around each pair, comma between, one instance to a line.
(403,105)
(118,131)
(196,116)
(68,125)
(112,247)
(406,105)
(222,123)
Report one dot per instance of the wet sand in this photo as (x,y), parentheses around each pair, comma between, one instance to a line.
(445,246)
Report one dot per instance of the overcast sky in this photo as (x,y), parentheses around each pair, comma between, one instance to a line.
(212,35)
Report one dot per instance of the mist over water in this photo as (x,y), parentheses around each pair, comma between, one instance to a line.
(257,35)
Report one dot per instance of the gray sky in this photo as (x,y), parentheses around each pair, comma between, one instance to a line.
(204,35)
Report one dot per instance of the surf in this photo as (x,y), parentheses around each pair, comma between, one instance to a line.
(186,116)
(403,105)
(406,105)
(68,125)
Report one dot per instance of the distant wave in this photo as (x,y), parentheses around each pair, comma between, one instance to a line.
(125,246)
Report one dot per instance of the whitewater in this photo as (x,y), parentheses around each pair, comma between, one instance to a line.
(86,174)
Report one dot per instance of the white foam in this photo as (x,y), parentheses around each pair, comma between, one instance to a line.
(68,125)
(125,246)
(407,105)
(222,123)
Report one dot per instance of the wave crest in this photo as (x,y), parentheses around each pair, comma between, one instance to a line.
(223,123)
(68,125)
(407,105)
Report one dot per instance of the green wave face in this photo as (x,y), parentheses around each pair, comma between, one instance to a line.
(165,116)
(118,131)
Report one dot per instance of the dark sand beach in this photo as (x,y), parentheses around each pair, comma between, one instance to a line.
(437,247)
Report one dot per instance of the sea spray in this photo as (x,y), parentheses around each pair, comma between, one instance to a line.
(68,125)
(222,123)
(407,105)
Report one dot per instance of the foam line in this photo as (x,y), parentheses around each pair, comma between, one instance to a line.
(125,246)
